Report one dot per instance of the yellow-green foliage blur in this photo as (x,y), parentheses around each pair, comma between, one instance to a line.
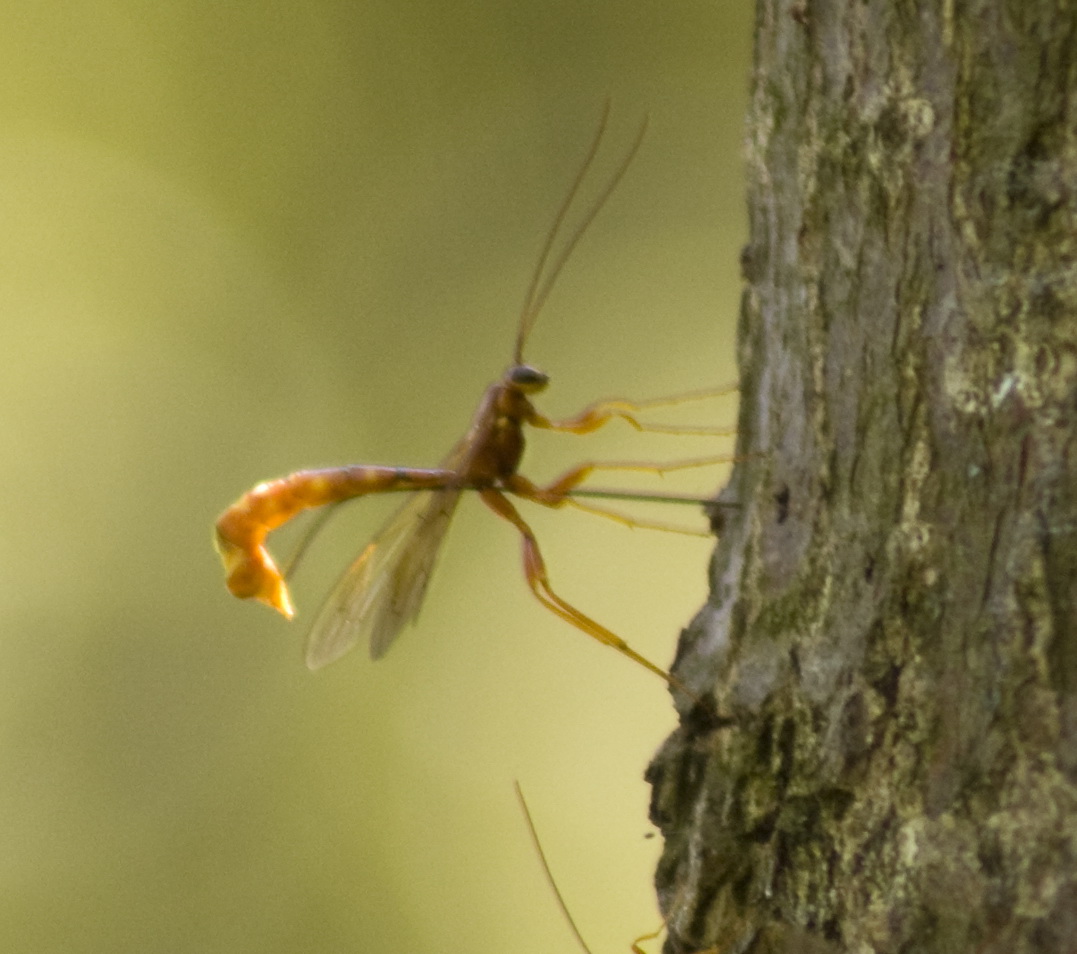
(239,239)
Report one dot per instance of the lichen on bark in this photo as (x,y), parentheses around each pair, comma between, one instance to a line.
(891,640)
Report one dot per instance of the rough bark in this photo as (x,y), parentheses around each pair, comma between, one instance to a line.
(892,636)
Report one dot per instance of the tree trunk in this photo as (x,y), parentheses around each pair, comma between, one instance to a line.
(891,640)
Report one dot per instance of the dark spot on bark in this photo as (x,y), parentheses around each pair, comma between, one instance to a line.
(854,729)
(1045,302)
(1022,461)
(764,743)
(717,519)
(740,890)
(705,901)
(763,830)
(891,129)
(836,802)
(749,265)
(887,685)
(787,740)
(781,501)
(704,717)
(672,793)
(991,861)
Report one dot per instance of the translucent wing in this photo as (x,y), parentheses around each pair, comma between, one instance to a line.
(384,588)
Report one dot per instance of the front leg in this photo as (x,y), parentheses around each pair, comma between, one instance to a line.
(591,418)
(596,415)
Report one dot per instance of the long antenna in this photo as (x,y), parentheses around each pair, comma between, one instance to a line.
(527,313)
(546,867)
(538,293)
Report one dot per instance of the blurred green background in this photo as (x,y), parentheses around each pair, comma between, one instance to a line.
(240,239)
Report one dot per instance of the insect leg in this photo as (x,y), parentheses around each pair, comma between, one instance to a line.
(596,415)
(538,580)
(242,529)
(637,944)
(556,493)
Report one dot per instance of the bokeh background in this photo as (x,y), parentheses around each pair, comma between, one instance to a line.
(243,238)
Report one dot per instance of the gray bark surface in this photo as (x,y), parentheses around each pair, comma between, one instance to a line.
(891,639)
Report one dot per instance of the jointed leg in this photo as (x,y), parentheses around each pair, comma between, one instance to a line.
(634,523)
(556,494)
(594,416)
(537,579)
(637,944)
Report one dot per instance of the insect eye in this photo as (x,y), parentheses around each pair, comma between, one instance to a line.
(527,379)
